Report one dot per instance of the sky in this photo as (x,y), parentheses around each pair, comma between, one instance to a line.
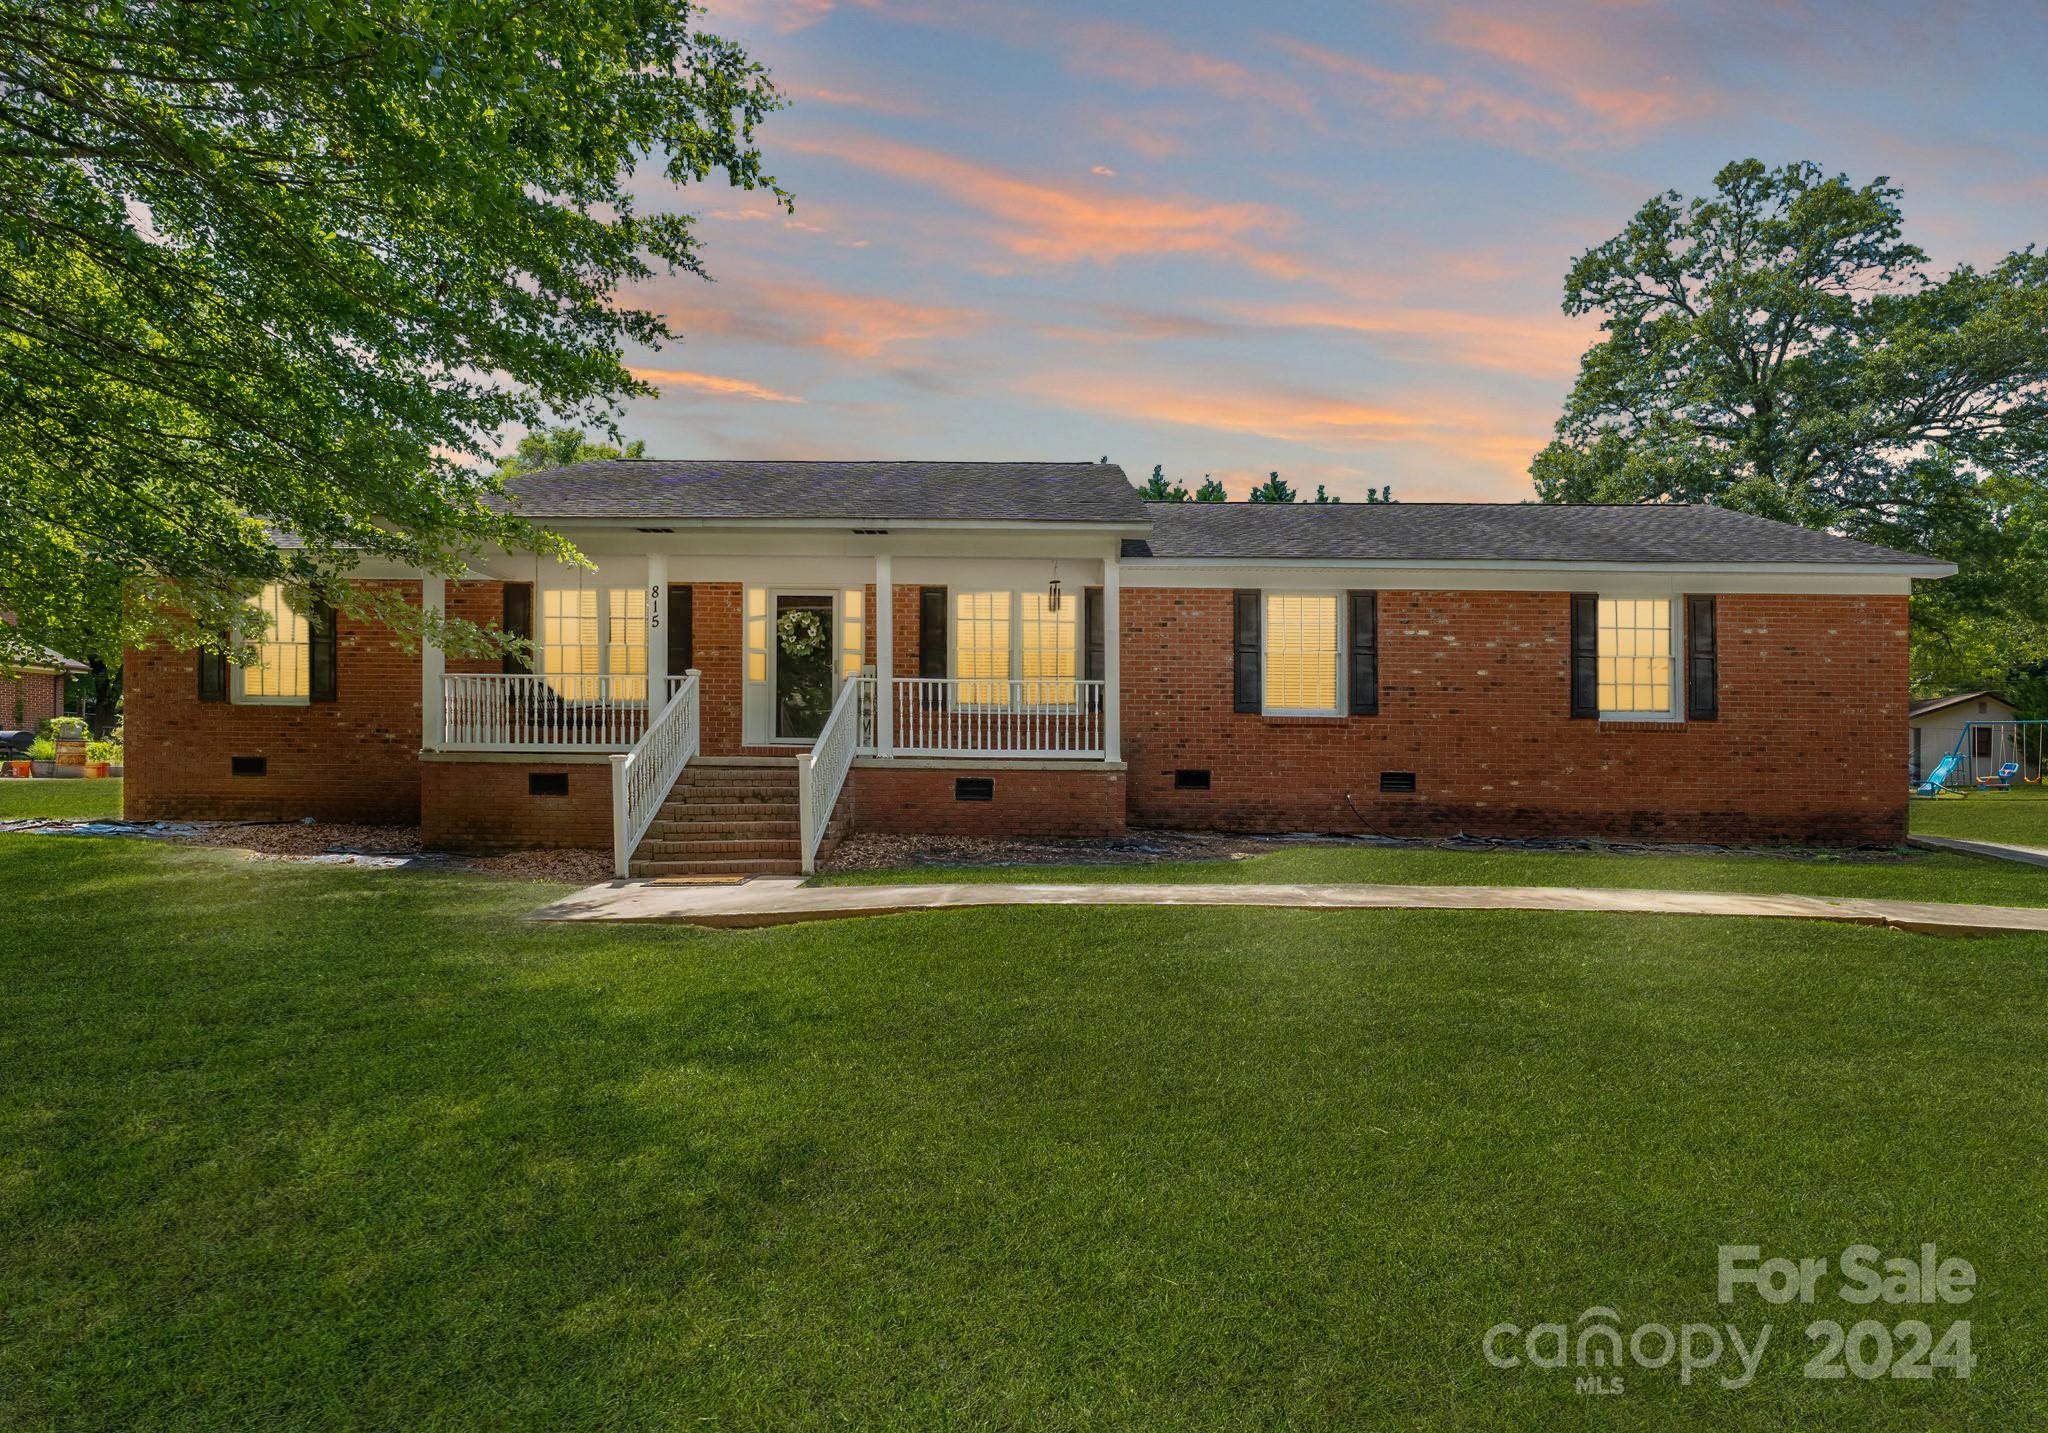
(1328,240)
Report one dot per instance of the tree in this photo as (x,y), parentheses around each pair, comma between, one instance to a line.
(1323,496)
(1273,490)
(559,447)
(1777,347)
(1211,491)
(1384,494)
(295,265)
(1158,490)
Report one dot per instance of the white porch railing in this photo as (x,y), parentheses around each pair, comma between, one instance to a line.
(821,771)
(643,777)
(493,711)
(1056,717)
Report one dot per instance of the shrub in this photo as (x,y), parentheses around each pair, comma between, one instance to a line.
(103,751)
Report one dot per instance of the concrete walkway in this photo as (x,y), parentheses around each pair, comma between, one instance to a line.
(1997,850)
(766,901)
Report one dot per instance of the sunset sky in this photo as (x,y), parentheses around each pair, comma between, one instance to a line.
(1327,239)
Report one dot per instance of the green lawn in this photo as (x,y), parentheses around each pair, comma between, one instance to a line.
(2019,815)
(346,1148)
(72,799)
(1920,875)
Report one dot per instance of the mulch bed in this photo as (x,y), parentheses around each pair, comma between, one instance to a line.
(869,852)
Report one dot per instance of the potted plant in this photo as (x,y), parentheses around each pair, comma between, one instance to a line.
(100,757)
(42,757)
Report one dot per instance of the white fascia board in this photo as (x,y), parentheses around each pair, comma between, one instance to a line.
(837,524)
(1872,579)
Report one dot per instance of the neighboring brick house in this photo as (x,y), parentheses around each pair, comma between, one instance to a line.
(1066,660)
(34,692)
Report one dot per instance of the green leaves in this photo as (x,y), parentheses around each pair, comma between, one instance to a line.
(293,266)
(1778,347)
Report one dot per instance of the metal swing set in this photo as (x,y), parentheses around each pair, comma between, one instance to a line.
(1990,756)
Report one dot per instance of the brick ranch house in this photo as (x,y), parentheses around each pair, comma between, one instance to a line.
(1064,659)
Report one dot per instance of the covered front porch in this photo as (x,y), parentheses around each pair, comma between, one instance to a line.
(821,658)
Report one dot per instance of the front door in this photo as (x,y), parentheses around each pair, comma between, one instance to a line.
(803,664)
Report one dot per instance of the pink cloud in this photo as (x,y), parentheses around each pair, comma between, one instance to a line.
(1472,433)
(1583,65)
(804,315)
(1045,222)
(711,383)
(1547,347)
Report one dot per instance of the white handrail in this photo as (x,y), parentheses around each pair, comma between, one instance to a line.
(821,771)
(1044,717)
(516,711)
(643,777)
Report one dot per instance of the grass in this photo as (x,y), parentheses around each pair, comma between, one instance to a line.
(344,1148)
(70,799)
(1919,875)
(2019,815)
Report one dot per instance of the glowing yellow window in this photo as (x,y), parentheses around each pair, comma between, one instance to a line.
(570,657)
(1047,646)
(282,669)
(757,634)
(853,605)
(625,650)
(981,644)
(1635,655)
(1301,652)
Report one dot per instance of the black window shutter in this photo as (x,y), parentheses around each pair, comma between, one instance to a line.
(1365,654)
(1702,660)
(1585,654)
(320,653)
(931,632)
(682,628)
(213,676)
(1095,659)
(518,622)
(1248,686)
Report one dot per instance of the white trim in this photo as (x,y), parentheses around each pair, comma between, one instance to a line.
(433,668)
(885,651)
(1497,564)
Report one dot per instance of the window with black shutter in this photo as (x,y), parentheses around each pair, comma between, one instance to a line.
(682,628)
(518,622)
(321,631)
(931,632)
(1585,655)
(1094,652)
(1365,654)
(1702,660)
(1247,686)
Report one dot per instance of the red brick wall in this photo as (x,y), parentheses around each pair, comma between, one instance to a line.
(28,698)
(353,759)
(917,801)
(719,649)
(486,806)
(1474,698)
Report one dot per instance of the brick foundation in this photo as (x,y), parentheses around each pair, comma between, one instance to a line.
(487,806)
(1474,699)
(919,801)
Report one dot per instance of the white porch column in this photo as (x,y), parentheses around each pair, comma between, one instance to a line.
(885,656)
(657,632)
(1112,660)
(433,664)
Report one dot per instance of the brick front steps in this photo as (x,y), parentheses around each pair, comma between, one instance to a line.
(725,819)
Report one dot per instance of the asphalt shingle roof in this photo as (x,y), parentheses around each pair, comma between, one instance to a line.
(1497,532)
(904,491)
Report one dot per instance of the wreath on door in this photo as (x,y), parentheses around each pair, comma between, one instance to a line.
(801,632)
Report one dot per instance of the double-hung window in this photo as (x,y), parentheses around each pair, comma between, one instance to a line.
(1637,643)
(282,671)
(588,634)
(1303,653)
(1016,648)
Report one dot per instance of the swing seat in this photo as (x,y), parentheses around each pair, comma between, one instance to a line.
(2003,780)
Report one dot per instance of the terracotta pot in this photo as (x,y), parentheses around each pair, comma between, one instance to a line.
(96,769)
(18,768)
